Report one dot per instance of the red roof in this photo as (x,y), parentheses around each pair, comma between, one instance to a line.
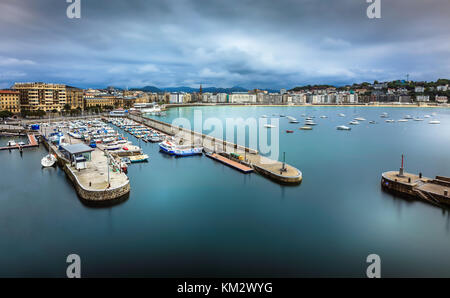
(9,92)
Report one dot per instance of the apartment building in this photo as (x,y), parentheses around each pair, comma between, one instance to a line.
(75,97)
(10,101)
(41,96)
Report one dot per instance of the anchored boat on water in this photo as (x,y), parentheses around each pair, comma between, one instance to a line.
(179,150)
(48,160)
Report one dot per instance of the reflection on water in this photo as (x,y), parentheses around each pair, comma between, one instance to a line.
(196,217)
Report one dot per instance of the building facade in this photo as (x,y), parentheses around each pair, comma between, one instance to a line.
(41,96)
(10,101)
(75,97)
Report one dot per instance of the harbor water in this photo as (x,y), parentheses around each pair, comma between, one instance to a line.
(194,217)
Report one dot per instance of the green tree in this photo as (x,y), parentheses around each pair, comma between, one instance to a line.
(5,114)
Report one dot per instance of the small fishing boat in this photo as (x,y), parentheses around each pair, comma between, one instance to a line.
(292,119)
(418,119)
(112,147)
(343,127)
(360,119)
(310,123)
(48,160)
(434,122)
(372,122)
(305,128)
(138,158)
(354,122)
(155,139)
(390,121)
(289,131)
(75,135)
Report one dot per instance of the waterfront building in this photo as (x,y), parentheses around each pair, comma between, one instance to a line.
(242,97)
(441,99)
(75,97)
(404,98)
(176,97)
(103,101)
(423,98)
(222,97)
(10,101)
(41,96)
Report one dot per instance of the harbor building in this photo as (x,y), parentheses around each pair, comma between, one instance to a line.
(75,97)
(242,97)
(41,96)
(10,101)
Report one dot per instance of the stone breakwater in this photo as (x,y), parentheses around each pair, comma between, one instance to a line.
(88,191)
(272,169)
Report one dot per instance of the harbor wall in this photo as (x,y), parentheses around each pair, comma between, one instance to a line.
(279,178)
(84,193)
(97,195)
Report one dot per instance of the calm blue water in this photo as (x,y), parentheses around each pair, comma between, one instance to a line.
(195,217)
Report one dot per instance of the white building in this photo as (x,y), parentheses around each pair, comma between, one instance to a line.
(176,97)
(242,98)
(419,89)
(441,99)
(423,98)
(442,88)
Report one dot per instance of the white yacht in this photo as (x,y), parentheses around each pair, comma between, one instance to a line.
(360,119)
(390,121)
(354,122)
(48,160)
(343,127)
(147,108)
(434,122)
(11,143)
(269,126)
(402,120)
(341,115)
(384,115)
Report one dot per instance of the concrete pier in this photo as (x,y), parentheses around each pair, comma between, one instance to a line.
(98,182)
(271,169)
(434,191)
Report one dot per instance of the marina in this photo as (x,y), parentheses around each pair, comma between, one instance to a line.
(171,199)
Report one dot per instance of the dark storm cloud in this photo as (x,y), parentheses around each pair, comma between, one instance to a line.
(262,43)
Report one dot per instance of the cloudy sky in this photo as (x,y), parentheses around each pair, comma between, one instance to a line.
(223,43)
